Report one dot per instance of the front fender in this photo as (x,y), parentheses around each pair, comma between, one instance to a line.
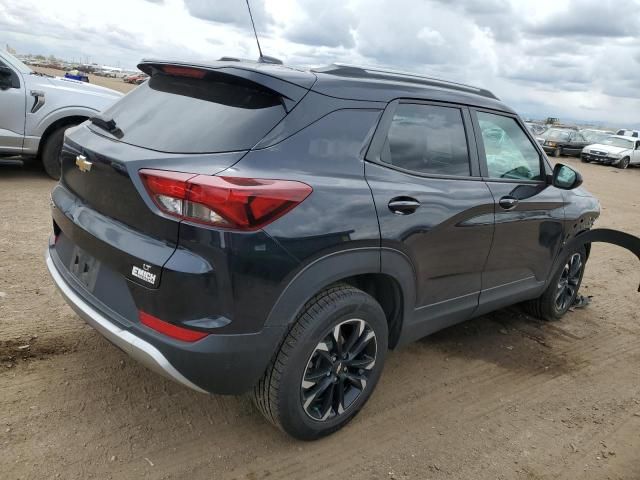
(38,124)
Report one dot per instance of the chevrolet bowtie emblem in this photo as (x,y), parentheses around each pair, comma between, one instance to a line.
(83,164)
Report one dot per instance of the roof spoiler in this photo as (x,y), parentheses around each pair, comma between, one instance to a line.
(290,93)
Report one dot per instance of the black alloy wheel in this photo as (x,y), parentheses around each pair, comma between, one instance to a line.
(328,365)
(569,282)
(338,370)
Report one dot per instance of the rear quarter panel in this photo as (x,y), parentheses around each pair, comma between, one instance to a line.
(338,216)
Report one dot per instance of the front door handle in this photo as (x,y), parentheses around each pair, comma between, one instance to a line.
(507,203)
(403,205)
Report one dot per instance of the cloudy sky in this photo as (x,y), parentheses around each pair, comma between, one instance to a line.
(573,59)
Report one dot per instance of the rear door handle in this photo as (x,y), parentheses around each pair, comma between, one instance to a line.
(507,203)
(403,205)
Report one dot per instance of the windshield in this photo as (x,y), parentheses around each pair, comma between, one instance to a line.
(15,62)
(557,134)
(594,136)
(618,142)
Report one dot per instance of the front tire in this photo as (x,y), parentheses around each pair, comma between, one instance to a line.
(623,163)
(51,152)
(328,365)
(563,288)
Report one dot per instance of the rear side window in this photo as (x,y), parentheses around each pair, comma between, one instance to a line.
(216,113)
(509,152)
(427,139)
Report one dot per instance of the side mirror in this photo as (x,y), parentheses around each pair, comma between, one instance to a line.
(565,177)
(7,79)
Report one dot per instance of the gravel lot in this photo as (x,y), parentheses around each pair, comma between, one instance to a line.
(504,396)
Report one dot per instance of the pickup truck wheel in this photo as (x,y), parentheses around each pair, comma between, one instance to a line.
(623,163)
(327,366)
(563,288)
(51,152)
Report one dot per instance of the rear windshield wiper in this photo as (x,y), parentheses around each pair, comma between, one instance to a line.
(108,125)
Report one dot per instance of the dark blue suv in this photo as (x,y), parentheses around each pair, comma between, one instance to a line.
(244,226)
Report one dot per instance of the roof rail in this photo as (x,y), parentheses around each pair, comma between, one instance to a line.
(356,71)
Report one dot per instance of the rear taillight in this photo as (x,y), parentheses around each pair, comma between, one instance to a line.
(226,202)
(169,329)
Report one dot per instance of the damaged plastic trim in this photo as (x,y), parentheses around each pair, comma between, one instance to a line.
(605,235)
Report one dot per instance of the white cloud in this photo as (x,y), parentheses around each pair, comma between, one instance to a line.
(430,37)
(574,59)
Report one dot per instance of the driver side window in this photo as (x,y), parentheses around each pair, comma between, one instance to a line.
(510,154)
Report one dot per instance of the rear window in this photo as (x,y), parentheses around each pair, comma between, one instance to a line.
(217,113)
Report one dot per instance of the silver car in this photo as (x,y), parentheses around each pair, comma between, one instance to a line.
(36,109)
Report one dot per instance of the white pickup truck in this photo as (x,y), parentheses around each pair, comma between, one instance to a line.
(36,109)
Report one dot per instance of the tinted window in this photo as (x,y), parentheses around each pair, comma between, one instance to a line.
(509,152)
(217,113)
(427,139)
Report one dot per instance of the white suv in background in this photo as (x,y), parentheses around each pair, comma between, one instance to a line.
(615,150)
(628,133)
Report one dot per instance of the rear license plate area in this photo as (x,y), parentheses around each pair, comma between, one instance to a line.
(84,267)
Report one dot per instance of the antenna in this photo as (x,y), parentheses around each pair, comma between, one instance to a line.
(254,28)
(262,58)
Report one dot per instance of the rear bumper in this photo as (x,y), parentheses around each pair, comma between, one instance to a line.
(142,351)
(224,364)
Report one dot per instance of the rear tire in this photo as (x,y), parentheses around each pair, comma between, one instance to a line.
(563,288)
(51,152)
(623,163)
(318,381)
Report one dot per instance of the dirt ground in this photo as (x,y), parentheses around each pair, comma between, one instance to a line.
(504,396)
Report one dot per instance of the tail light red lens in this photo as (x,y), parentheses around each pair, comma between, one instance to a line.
(226,202)
(169,329)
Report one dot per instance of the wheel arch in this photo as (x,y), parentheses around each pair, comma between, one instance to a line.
(361,268)
(587,237)
(60,122)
